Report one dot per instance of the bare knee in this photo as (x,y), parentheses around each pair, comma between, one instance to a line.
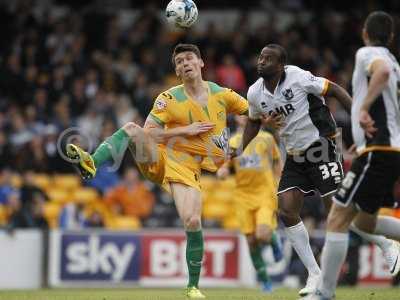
(264,235)
(290,204)
(340,218)
(193,223)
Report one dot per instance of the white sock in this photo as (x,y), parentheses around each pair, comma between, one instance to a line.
(332,258)
(379,240)
(298,237)
(388,226)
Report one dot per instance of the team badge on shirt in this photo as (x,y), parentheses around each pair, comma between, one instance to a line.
(288,94)
(161,104)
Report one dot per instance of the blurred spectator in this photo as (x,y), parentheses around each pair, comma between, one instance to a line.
(229,74)
(72,216)
(132,197)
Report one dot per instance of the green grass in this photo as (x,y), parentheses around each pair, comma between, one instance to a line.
(177,294)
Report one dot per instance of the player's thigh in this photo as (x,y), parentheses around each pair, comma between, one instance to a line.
(291,201)
(187,199)
(370,181)
(365,221)
(340,217)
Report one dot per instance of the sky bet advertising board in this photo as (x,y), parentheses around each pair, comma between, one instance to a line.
(94,258)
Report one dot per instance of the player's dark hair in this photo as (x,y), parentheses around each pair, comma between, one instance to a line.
(184,48)
(379,27)
(283,57)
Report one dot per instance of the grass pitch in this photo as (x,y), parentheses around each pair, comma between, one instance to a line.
(355,293)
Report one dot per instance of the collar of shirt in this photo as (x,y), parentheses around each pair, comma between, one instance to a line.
(281,80)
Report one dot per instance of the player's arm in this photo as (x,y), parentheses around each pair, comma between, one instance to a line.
(379,77)
(336,91)
(161,135)
(224,170)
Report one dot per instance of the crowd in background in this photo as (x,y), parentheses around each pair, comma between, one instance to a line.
(84,69)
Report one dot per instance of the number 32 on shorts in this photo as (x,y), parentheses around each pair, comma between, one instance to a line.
(330,170)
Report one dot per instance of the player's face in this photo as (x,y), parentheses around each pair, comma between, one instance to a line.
(188,65)
(268,63)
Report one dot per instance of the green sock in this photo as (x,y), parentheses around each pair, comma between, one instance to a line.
(258,263)
(274,241)
(194,255)
(112,148)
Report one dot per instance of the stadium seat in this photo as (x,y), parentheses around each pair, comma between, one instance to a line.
(51,213)
(123,223)
(16,181)
(215,210)
(58,195)
(42,181)
(67,182)
(3,215)
(85,195)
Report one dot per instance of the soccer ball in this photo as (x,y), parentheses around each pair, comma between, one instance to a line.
(181,13)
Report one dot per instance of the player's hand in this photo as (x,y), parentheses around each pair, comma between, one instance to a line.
(223,172)
(274,120)
(198,127)
(367,123)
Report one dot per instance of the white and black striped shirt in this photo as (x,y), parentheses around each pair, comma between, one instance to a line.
(385,110)
(299,98)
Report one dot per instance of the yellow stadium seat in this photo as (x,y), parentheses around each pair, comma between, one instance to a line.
(85,195)
(42,181)
(67,182)
(123,223)
(51,213)
(16,180)
(215,210)
(3,215)
(58,195)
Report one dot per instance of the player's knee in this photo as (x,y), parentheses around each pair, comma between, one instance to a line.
(288,216)
(251,240)
(264,236)
(338,220)
(193,223)
(130,128)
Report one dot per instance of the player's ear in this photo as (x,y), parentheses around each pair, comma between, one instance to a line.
(201,63)
(364,35)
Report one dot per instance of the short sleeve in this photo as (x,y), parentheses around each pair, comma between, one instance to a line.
(160,112)
(235,104)
(254,112)
(312,84)
(365,57)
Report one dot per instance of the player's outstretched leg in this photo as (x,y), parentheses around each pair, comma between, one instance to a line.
(113,148)
(188,203)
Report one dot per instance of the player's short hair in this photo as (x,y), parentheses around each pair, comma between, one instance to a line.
(183,48)
(379,27)
(283,57)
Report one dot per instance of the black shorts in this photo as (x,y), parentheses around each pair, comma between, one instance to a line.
(370,182)
(318,168)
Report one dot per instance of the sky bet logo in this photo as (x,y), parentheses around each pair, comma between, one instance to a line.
(99,257)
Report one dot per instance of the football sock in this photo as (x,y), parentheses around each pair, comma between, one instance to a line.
(379,240)
(259,263)
(388,226)
(298,237)
(194,255)
(112,148)
(333,255)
